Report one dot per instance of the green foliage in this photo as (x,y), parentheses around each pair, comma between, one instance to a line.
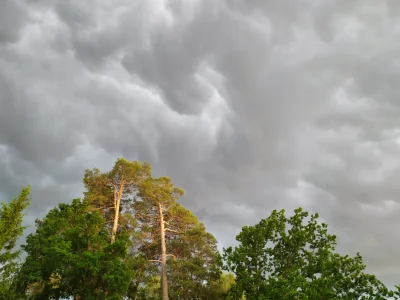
(226,281)
(70,255)
(11,217)
(294,258)
(100,187)
(193,269)
(195,272)
(110,245)
(224,284)
(150,289)
(112,193)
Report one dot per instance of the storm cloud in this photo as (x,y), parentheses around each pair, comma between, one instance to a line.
(248,105)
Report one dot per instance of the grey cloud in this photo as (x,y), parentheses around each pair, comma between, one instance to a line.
(12,19)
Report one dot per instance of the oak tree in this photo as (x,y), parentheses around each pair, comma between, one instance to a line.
(69,255)
(294,258)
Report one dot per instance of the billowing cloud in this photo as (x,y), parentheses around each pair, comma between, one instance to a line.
(248,105)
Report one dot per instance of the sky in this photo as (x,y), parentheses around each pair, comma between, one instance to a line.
(248,105)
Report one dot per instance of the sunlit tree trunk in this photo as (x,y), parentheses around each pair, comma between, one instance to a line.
(163,256)
(117,204)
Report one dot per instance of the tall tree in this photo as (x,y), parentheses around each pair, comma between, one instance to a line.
(154,209)
(294,258)
(70,256)
(170,230)
(195,273)
(11,218)
(110,191)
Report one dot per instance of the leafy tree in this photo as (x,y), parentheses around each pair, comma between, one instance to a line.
(150,289)
(70,256)
(396,292)
(226,281)
(11,217)
(110,192)
(154,209)
(169,230)
(195,273)
(294,258)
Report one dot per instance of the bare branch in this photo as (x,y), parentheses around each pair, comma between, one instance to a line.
(168,229)
(145,216)
(173,256)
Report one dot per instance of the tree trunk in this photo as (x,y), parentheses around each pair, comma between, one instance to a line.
(163,256)
(117,204)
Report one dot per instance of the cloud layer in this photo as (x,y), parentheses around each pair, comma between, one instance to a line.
(248,105)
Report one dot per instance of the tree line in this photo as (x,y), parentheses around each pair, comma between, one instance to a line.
(130,238)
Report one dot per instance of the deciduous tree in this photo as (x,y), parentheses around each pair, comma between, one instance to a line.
(294,258)
(70,255)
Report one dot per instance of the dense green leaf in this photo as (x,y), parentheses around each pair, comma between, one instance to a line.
(11,218)
(294,258)
(70,255)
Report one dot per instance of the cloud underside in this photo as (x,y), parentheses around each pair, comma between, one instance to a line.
(248,105)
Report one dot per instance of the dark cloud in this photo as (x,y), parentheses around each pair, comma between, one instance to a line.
(248,105)
(12,19)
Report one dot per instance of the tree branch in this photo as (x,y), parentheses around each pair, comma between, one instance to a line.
(145,216)
(168,229)
(173,256)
